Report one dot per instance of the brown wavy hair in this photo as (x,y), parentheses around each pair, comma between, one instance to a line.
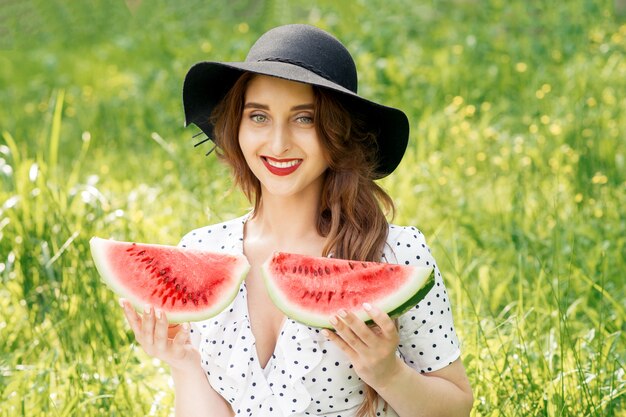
(353,208)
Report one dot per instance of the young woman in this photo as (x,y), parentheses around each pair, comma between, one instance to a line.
(306,149)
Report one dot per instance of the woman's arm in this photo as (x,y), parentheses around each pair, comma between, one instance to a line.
(372,351)
(446,392)
(194,395)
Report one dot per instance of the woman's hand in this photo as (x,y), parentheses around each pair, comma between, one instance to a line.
(372,350)
(169,344)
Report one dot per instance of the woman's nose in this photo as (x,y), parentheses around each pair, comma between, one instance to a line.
(280,139)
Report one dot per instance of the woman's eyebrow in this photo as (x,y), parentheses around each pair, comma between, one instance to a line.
(252,105)
(256,106)
(303,107)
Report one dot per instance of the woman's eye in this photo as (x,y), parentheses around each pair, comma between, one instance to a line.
(305,119)
(258,118)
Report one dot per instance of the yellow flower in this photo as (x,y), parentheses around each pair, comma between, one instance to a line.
(555,129)
(206,46)
(243,27)
(599,178)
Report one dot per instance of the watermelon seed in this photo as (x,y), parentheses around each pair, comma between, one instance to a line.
(166,279)
(306,270)
(195,302)
(300,269)
(330,295)
(177,287)
(305,294)
(318,296)
(141,253)
(295,269)
(351,265)
(204,299)
(130,249)
(164,300)
(364,264)
(319,271)
(162,272)
(154,292)
(173,300)
(184,301)
(314,272)
(184,289)
(327,270)
(189,296)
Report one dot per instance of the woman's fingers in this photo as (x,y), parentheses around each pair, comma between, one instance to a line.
(343,322)
(160,331)
(385,324)
(182,337)
(180,340)
(359,328)
(158,339)
(147,326)
(131,315)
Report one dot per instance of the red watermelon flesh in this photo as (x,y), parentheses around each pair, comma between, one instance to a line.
(312,289)
(187,284)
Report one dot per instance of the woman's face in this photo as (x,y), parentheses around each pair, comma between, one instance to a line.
(278,138)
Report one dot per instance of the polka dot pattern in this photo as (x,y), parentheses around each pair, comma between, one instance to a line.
(307,375)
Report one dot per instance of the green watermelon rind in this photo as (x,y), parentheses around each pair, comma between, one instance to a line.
(98,248)
(421,277)
(416,298)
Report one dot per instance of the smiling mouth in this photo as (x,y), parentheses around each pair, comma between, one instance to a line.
(281,167)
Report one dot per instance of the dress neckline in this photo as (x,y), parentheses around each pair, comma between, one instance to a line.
(267,367)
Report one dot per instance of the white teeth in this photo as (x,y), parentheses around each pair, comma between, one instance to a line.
(288,164)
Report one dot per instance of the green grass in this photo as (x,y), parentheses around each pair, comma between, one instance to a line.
(515,171)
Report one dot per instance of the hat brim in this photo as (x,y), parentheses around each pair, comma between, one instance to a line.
(207,83)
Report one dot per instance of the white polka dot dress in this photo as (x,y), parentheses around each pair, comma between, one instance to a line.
(308,375)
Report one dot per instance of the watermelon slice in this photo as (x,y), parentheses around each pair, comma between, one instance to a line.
(311,289)
(187,284)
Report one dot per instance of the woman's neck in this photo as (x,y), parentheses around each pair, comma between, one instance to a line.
(285,221)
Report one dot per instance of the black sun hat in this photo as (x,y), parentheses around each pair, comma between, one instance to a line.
(301,53)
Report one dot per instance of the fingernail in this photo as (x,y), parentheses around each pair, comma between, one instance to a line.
(325,333)
(342,313)
(121,300)
(185,326)
(158,313)
(333,320)
(367,306)
(147,309)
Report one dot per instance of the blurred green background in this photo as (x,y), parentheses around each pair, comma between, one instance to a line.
(515,172)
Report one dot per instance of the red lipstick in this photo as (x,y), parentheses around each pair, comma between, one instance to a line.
(281,167)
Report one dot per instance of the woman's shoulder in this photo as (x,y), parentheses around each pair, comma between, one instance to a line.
(406,245)
(215,237)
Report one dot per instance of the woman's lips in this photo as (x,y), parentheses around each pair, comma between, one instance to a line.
(281,167)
